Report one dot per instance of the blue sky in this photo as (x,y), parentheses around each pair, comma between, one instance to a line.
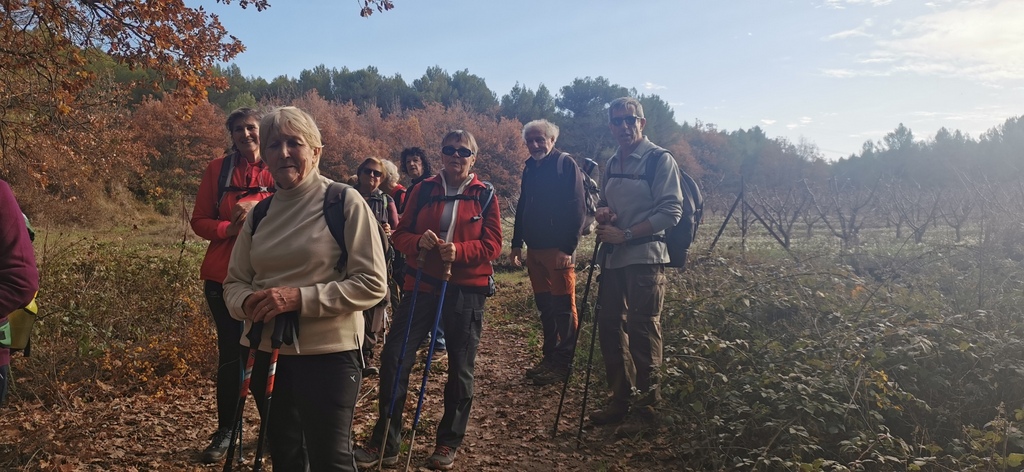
(833,72)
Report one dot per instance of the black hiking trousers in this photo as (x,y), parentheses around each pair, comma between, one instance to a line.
(314,401)
(229,351)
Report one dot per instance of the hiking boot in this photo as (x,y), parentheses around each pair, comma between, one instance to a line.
(370,371)
(638,422)
(613,414)
(368,457)
(219,442)
(537,369)
(551,375)
(439,363)
(443,458)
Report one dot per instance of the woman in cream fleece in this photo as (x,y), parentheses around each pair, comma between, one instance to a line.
(289,266)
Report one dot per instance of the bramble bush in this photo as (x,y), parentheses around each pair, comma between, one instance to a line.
(916,364)
(116,317)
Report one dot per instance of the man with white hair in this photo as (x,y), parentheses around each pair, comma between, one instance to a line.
(549,218)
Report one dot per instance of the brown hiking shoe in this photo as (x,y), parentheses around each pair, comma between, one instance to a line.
(614,413)
(638,422)
(369,457)
(551,375)
(443,458)
(536,370)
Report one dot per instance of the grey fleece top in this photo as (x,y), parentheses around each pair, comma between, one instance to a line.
(634,201)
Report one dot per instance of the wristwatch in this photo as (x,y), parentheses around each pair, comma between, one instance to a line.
(628,234)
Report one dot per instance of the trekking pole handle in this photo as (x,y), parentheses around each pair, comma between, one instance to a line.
(255,334)
(446,273)
(277,337)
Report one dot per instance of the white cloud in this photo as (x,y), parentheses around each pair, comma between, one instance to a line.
(840,73)
(768,122)
(653,86)
(842,4)
(977,40)
(982,41)
(860,31)
(800,123)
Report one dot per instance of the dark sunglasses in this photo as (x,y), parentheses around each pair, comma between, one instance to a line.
(372,173)
(630,120)
(451,150)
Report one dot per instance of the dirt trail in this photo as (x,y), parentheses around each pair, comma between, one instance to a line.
(510,427)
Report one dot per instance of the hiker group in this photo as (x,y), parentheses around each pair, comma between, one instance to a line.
(301,273)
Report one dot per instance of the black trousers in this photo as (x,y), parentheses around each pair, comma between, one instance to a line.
(462,318)
(229,349)
(314,399)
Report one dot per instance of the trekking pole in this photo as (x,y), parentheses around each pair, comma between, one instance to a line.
(590,362)
(238,425)
(422,259)
(447,274)
(281,323)
(576,338)
(254,336)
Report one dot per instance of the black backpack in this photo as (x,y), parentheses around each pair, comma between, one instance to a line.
(334,213)
(679,237)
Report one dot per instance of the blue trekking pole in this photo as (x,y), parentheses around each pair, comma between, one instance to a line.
(447,274)
(422,259)
(576,338)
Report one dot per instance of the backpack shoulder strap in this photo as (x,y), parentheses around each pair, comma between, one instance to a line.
(334,213)
(486,197)
(422,198)
(652,163)
(227,167)
(258,212)
(561,163)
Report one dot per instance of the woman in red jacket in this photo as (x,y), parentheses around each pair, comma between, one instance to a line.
(231,186)
(459,225)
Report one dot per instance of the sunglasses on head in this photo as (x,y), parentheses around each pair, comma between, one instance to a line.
(452,150)
(629,120)
(372,173)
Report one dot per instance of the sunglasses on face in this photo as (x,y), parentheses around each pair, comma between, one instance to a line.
(372,173)
(629,120)
(451,151)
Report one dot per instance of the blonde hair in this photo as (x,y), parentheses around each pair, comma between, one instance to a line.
(391,176)
(290,120)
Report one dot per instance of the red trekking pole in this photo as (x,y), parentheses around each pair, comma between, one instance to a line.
(254,336)
(284,333)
